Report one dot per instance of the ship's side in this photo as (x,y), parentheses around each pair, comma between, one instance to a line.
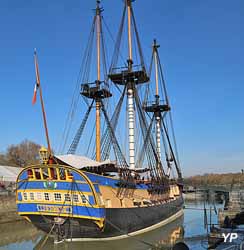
(76,204)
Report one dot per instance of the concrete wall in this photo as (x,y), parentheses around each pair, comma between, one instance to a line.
(8,210)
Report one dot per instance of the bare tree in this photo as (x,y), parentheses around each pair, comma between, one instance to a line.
(25,153)
(3,160)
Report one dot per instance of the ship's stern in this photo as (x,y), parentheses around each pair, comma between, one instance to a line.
(60,200)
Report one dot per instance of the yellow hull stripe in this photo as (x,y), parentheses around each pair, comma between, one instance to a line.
(58,203)
(63,215)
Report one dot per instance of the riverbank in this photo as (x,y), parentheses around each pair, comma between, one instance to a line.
(8,211)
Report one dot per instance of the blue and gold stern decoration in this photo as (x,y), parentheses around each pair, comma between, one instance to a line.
(58,191)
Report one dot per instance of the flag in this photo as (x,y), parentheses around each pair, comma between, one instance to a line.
(34,95)
(37,79)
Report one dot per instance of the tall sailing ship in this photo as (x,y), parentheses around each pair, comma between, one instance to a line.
(124,188)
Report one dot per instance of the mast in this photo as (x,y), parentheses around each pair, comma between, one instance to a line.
(129,33)
(95,90)
(129,76)
(157,108)
(157,114)
(98,103)
(160,109)
(130,98)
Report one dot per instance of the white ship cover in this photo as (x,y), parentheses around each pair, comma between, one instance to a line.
(80,162)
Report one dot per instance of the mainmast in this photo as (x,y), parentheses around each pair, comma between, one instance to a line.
(130,98)
(157,114)
(98,103)
(128,2)
(130,77)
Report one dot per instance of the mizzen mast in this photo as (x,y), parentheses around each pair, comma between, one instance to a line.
(156,107)
(159,109)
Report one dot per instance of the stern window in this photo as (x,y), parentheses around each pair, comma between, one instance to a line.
(69,175)
(24,196)
(39,196)
(61,173)
(57,196)
(53,173)
(30,173)
(37,173)
(67,197)
(32,196)
(46,196)
(83,198)
(75,198)
(45,173)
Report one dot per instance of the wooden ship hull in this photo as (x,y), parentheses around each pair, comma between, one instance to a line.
(124,218)
(80,204)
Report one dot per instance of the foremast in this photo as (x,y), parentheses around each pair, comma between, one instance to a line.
(93,90)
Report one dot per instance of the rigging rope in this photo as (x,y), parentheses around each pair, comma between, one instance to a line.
(111,36)
(76,140)
(115,143)
(106,138)
(174,139)
(138,41)
(118,43)
(74,102)
(163,128)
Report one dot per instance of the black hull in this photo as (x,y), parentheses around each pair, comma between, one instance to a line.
(119,221)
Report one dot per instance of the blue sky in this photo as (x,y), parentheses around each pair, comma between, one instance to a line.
(201,50)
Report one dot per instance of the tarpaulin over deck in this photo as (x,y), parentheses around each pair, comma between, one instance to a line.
(79,162)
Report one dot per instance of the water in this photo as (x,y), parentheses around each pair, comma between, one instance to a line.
(189,228)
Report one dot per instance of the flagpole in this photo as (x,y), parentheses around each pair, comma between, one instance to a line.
(38,83)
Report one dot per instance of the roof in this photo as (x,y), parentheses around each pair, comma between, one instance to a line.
(79,162)
(8,173)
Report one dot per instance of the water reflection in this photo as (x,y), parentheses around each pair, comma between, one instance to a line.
(22,235)
(163,237)
(18,233)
